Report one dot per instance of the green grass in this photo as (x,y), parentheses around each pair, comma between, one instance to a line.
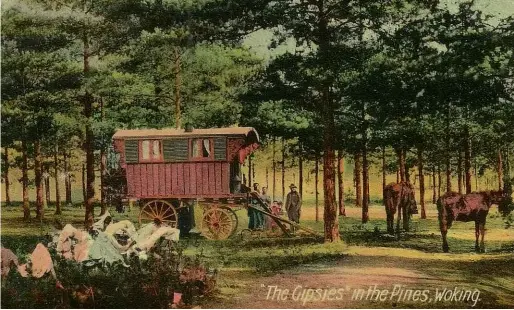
(244,258)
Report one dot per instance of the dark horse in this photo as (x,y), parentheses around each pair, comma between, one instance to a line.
(453,206)
(399,196)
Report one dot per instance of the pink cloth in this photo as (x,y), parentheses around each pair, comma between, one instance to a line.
(8,258)
(41,263)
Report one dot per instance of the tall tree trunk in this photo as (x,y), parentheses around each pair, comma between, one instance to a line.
(40,212)
(267,178)
(178,84)
(447,150)
(67,178)
(405,168)
(467,160)
(421,183)
(448,175)
(283,167)
(365,176)
(475,168)
(253,171)
(438,181)
(84,190)
(88,144)
(340,179)
(506,206)
(300,175)
(316,192)
(6,177)
(365,187)
(434,183)
(57,191)
(274,169)
(25,181)
(103,164)
(250,172)
(500,170)
(357,180)
(330,218)
(398,175)
(383,169)
(46,177)
(459,172)
(401,163)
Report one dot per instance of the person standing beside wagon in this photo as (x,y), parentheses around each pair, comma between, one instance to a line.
(293,205)
(255,220)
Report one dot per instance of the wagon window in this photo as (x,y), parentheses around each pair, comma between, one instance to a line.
(201,148)
(151,150)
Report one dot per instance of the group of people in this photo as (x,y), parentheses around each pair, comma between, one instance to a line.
(259,221)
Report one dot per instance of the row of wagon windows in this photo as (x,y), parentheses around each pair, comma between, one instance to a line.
(196,149)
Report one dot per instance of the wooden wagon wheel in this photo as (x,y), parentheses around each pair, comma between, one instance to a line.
(158,211)
(219,223)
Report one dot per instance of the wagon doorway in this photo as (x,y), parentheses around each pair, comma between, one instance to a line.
(235,176)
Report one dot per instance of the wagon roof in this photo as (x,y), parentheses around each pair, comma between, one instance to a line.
(173,132)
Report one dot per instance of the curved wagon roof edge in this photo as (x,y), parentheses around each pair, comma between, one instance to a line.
(173,132)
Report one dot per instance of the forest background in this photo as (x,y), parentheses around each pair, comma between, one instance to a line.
(364,93)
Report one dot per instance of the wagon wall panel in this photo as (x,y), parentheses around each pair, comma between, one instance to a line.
(174,184)
(155,179)
(212,178)
(169,189)
(192,178)
(225,179)
(144,180)
(136,180)
(187,180)
(205,178)
(180,178)
(130,181)
(149,179)
(162,180)
(199,177)
(217,176)
(168,179)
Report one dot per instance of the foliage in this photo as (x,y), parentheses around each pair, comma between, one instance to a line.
(144,284)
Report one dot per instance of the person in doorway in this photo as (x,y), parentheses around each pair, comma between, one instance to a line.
(293,205)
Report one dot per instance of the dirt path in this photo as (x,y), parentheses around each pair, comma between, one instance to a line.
(369,277)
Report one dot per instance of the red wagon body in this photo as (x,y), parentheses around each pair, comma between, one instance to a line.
(166,168)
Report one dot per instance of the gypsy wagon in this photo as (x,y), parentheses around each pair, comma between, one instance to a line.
(167,170)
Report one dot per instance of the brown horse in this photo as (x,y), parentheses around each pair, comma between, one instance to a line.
(399,196)
(453,206)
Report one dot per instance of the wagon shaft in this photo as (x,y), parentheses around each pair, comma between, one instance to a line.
(279,220)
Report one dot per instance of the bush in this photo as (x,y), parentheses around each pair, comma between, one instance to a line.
(151,283)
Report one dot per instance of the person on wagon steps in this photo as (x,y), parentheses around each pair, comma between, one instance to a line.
(293,205)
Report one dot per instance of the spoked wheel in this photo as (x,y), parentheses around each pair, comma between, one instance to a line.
(159,212)
(219,223)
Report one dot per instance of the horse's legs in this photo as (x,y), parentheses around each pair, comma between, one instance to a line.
(482,232)
(405,218)
(399,218)
(390,223)
(443,226)
(477,234)
(446,248)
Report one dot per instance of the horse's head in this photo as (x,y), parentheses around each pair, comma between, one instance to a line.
(412,206)
(496,197)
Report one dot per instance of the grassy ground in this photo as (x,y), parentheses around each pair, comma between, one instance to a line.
(249,265)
